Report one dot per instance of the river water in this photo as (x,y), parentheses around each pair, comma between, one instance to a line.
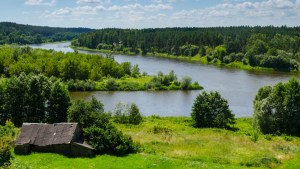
(239,87)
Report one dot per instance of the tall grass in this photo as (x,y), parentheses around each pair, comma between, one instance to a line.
(171,142)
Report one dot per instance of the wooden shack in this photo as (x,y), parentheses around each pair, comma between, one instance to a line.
(62,138)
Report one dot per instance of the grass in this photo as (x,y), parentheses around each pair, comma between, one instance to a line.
(136,84)
(171,142)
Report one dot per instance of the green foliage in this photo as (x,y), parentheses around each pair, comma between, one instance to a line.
(27,34)
(98,130)
(169,81)
(186,83)
(67,66)
(87,113)
(7,134)
(211,110)
(135,72)
(33,98)
(277,109)
(126,114)
(185,147)
(135,116)
(59,102)
(81,85)
(257,46)
(109,140)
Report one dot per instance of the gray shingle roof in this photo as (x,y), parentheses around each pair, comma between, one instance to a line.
(47,134)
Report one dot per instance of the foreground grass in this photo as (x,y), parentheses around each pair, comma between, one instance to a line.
(171,142)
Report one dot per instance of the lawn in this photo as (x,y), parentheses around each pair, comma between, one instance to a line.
(171,142)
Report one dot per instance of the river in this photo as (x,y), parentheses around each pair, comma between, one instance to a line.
(239,87)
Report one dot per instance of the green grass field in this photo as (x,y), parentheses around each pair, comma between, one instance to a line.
(171,142)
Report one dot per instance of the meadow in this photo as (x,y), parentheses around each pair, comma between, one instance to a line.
(171,142)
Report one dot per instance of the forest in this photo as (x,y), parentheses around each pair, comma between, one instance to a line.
(277,48)
(12,33)
(83,72)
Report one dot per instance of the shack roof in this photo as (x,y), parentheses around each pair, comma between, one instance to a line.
(40,134)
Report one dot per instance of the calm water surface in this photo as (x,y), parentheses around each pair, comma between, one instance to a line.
(237,86)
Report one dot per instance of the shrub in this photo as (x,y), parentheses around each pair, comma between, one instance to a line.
(111,84)
(126,114)
(135,116)
(211,110)
(186,83)
(7,134)
(109,140)
(97,129)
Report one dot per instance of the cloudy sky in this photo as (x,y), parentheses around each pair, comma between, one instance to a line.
(151,13)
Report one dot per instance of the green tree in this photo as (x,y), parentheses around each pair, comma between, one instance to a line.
(277,109)
(58,103)
(211,110)
(186,82)
(135,72)
(135,116)
(85,113)
(7,134)
(15,99)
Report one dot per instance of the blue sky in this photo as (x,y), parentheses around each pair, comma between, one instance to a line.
(151,13)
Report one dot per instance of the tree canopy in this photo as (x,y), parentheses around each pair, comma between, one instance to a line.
(33,98)
(211,110)
(277,109)
(270,47)
(27,34)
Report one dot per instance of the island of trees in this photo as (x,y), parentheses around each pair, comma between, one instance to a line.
(275,48)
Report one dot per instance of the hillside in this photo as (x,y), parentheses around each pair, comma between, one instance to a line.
(27,34)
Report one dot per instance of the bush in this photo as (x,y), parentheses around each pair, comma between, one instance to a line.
(7,134)
(109,140)
(135,116)
(211,110)
(186,83)
(126,114)
(276,109)
(97,129)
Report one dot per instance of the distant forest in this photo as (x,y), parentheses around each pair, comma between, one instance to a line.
(26,34)
(270,47)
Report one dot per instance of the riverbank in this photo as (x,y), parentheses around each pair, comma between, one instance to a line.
(194,59)
(171,142)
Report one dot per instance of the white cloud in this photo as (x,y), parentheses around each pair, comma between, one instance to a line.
(269,8)
(157,13)
(81,10)
(136,6)
(93,1)
(298,4)
(40,2)
(131,16)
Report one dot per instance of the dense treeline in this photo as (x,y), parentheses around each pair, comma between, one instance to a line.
(33,98)
(27,34)
(270,47)
(76,66)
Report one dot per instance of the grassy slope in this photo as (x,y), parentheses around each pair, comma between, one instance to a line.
(171,142)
